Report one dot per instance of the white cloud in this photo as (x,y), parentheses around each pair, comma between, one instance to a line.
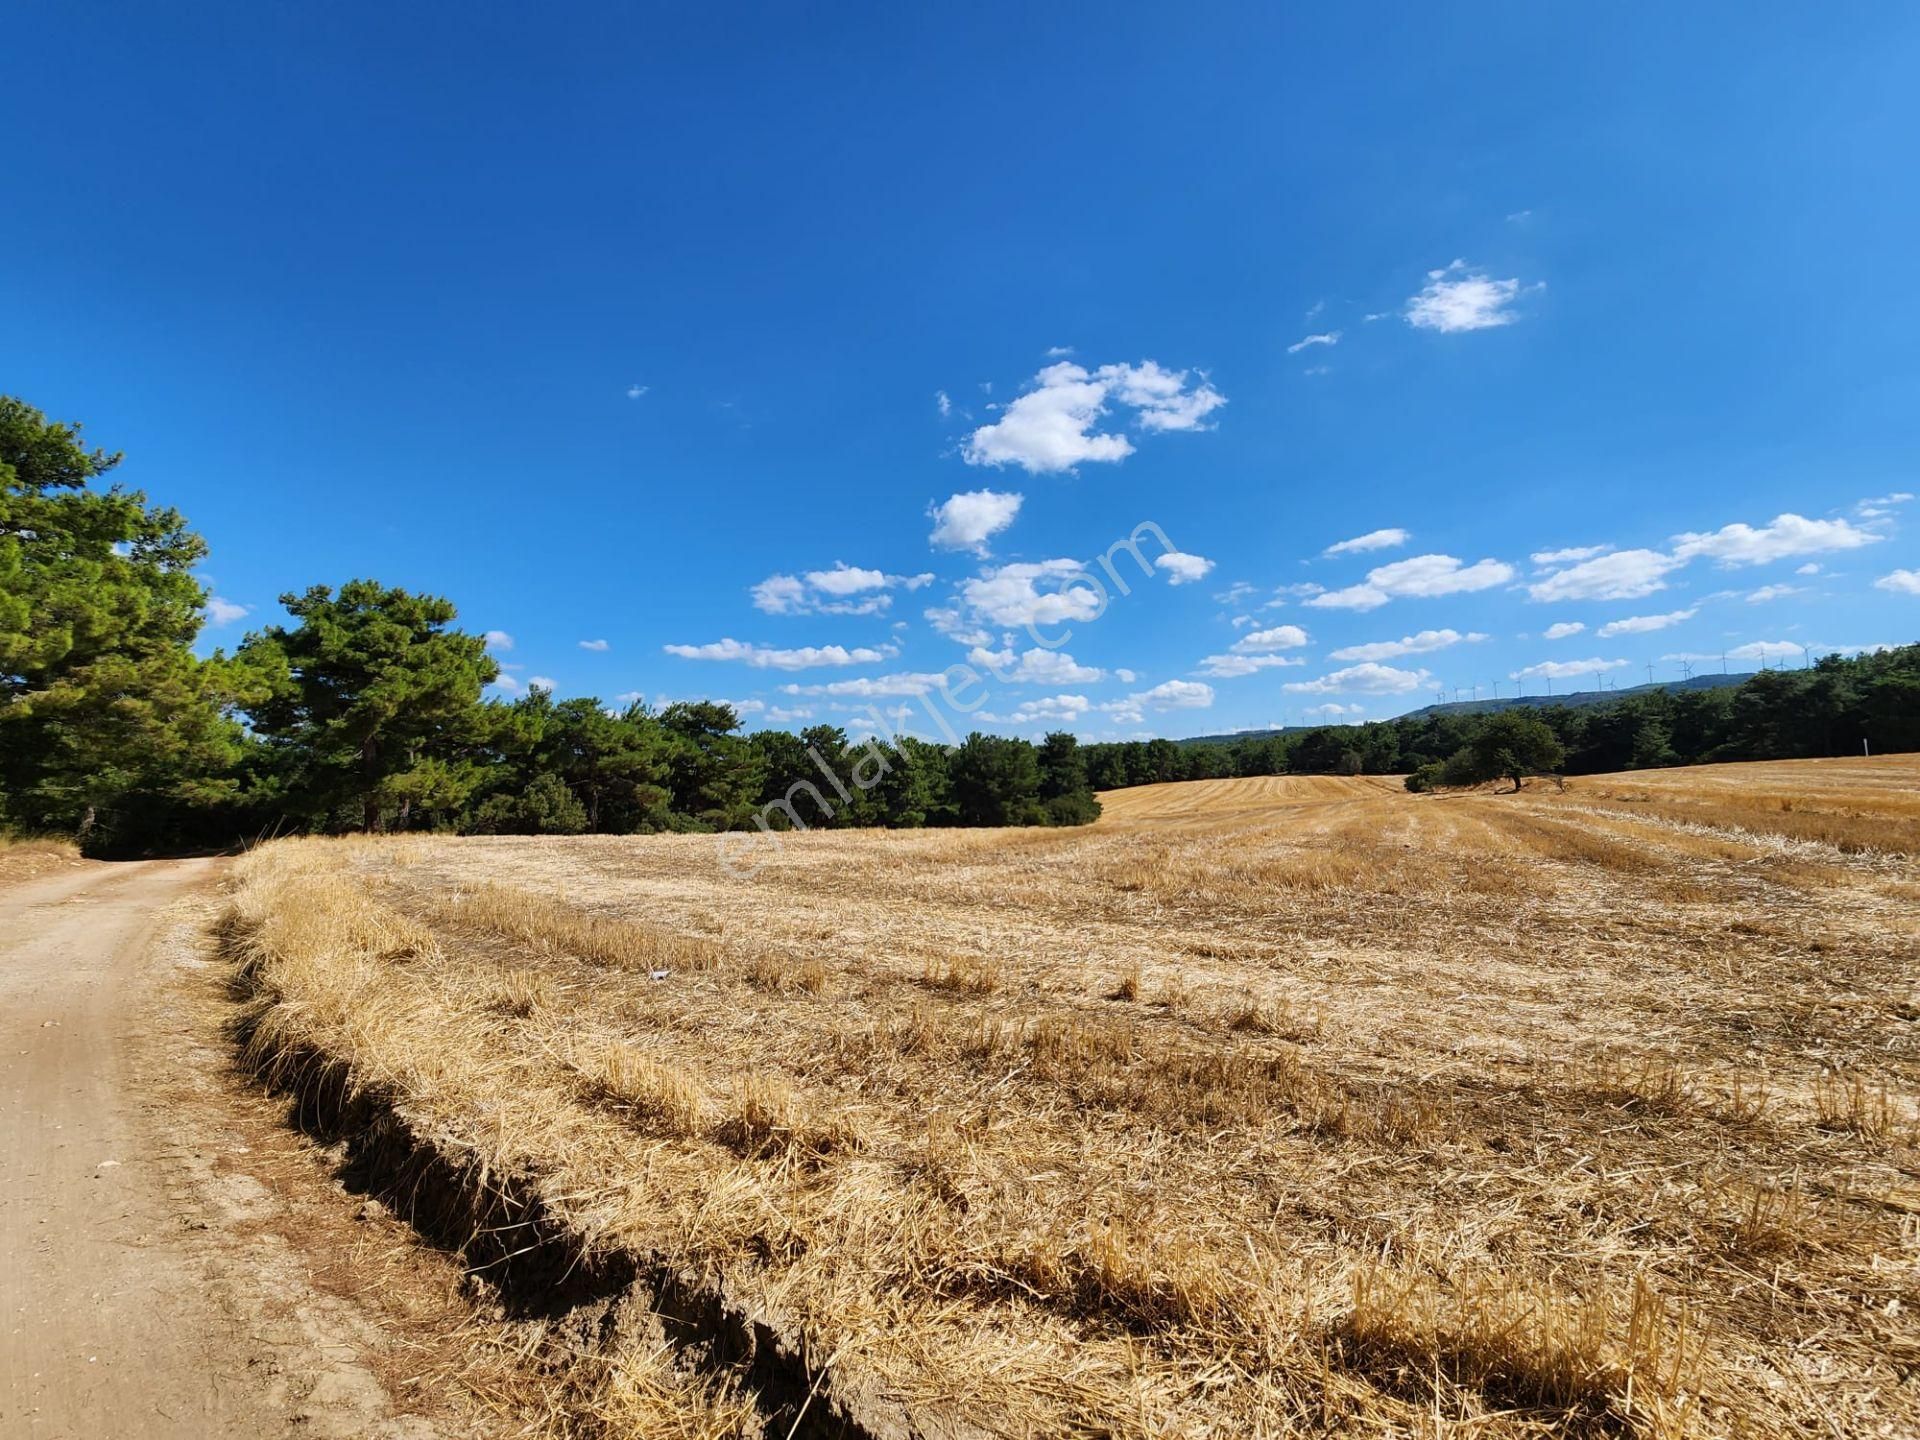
(498,640)
(1565,628)
(1622,575)
(1568,555)
(782,714)
(1048,709)
(1773,592)
(1421,576)
(505,684)
(845,579)
(1051,427)
(1226,667)
(1880,507)
(763,657)
(1183,568)
(1787,535)
(224,612)
(634,392)
(1460,298)
(1365,679)
(542,682)
(1280,637)
(1333,709)
(966,521)
(1125,677)
(1644,624)
(949,622)
(1561,669)
(1810,568)
(832,592)
(1009,595)
(1372,540)
(600,645)
(1417,644)
(1331,337)
(1900,582)
(872,687)
(1235,593)
(1174,695)
(1034,667)
(942,403)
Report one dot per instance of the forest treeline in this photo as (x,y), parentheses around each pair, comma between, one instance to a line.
(366,711)
(1830,708)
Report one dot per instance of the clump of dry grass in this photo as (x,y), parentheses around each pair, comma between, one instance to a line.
(551,925)
(1860,1106)
(974,975)
(22,859)
(663,1095)
(1522,1342)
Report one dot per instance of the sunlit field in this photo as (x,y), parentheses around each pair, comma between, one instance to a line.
(1260,1107)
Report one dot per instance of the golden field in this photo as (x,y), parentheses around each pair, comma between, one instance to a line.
(1263,1107)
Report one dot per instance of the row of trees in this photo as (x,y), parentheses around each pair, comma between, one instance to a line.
(1831,708)
(366,710)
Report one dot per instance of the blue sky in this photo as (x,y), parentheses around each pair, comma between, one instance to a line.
(677,334)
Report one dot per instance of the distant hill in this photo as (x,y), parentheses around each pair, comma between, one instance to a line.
(1573,699)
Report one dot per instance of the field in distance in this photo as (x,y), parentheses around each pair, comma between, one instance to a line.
(1262,1107)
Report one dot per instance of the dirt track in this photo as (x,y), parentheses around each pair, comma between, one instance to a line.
(138,1295)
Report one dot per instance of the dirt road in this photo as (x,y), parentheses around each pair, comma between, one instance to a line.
(131,1304)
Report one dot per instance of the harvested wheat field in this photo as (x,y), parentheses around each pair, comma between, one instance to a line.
(1289,1106)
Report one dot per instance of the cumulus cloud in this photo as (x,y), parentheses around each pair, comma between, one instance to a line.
(1050,709)
(1421,576)
(1900,582)
(1565,628)
(224,612)
(1561,669)
(1372,540)
(1459,298)
(1182,568)
(1052,427)
(1364,679)
(1643,624)
(764,657)
(1279,637)
(948,621)
(966,521)
(599,645)
(1174,695)
(1333,709)
(1621,575)
(1330,337)
(1773,592)
(634,392)
(1038,592)
(1787,535)
(942,402)
(542,682)
(1417,644)
(1034,667)
(843,590)
(498,640)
